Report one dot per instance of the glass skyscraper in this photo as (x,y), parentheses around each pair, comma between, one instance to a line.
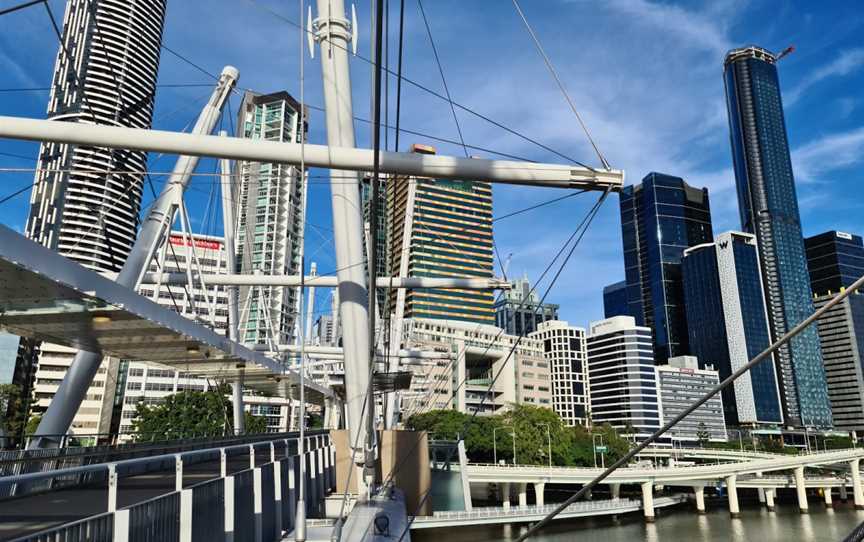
(728,325)
(769,209)
(615,300)
(660,218)
(836,260)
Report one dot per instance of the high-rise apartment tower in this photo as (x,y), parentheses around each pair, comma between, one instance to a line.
(441,228)
(769,209)
(271,205)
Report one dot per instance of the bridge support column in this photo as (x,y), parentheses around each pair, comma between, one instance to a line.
(801,489)
(843,495)
(615,489)
(648,501)
(855,467)
(829,499)
(699,491)
(539,488)
(769,499)
(505,495)
(523,494)
(761,493)
(732,489)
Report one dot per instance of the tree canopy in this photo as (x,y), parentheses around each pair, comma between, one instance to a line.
(190,413)
(527,426)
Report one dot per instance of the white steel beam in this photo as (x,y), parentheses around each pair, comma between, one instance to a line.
(338,351)
(337,156)
(325,281)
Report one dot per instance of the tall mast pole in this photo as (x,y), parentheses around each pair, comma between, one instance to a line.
(61,411)
(334,32)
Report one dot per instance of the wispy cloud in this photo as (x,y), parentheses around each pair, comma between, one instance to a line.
(848,62)
(827,154)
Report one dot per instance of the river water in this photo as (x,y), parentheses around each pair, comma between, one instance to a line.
(681,524)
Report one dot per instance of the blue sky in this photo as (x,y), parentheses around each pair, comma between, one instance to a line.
(645,75)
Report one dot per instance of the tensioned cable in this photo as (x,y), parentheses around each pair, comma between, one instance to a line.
(20,6)
(399,72)
(430,91)
(443,78)
(765,354)
(560,84)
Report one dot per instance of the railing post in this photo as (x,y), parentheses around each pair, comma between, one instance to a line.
(112,487)
(229,509)
(121,526)
(223,463)
(186,515)
(178,477)
(257,498)
(272,452)
(277,492)
(251,456)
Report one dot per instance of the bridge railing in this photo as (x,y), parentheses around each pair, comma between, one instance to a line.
(48,479)
(257,503)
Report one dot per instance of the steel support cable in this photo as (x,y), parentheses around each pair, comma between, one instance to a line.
(575,238)
(765,354)
(430,91)
(20,6)
(399,73)
(443,78)
(560,83)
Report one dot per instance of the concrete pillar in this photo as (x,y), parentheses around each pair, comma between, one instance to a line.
(539,488)
(843,495)
(761,493)
(523,494)
(829,499)
(648,501)
(732,489)
(857,496)
(505,495)
(700,498)
(801,490)
(769,498)
(615,489)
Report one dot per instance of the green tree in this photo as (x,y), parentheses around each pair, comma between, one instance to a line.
(183,415)
(255,424)
(11,411)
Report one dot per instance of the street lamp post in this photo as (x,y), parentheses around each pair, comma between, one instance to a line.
(549,442)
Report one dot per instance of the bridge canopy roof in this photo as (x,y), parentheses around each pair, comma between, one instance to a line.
(48,297)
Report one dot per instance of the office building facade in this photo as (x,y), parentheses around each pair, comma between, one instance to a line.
(836,260)
(518,311)
(769,210)
(615,300)
(441,228)
(681,383)
(271,205)
(565,349)
(660,218)
(621,377)
(728,324)
(481,376)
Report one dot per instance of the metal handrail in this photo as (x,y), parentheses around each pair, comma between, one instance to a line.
(106,466)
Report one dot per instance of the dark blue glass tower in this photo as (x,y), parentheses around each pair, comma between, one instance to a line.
(615,300)
(728,326)
(660,218)
(769,210)
(835,260)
